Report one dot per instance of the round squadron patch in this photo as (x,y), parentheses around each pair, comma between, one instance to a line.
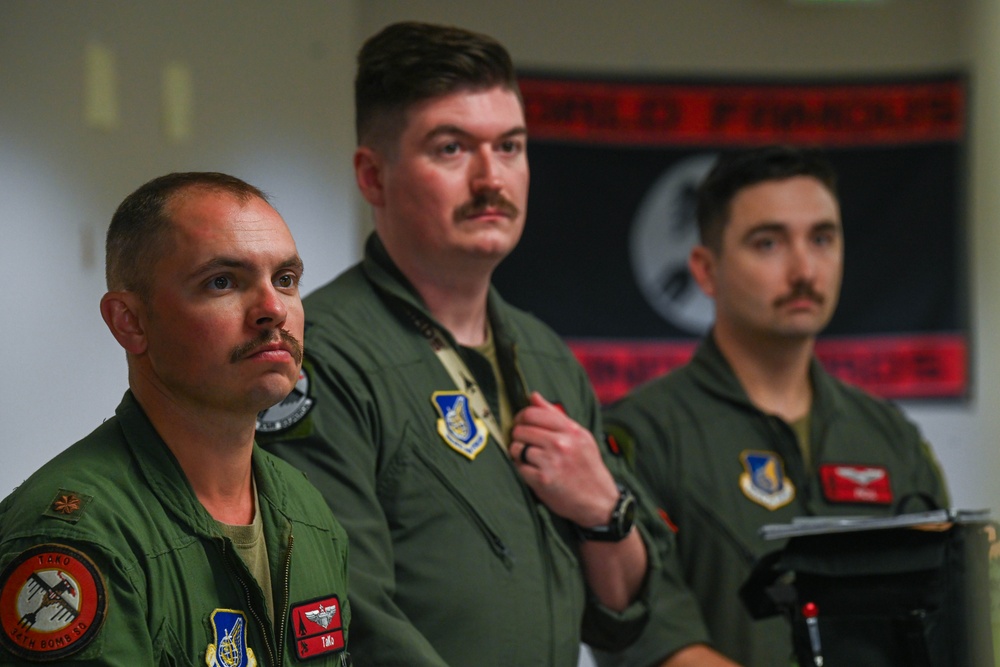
(53,601)
(289,411)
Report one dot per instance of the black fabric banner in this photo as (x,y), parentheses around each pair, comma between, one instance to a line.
(611,220)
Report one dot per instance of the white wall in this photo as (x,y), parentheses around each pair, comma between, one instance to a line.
(271,104)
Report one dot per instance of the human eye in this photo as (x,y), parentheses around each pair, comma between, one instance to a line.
(825,237)
(221,283)
(449,148)
(511,146)
(287,280)
(763,242)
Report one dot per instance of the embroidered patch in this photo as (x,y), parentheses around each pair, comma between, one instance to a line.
(229,626)
(458,427)
(290,411)
(68,505)
(53,601)
(856,484)
(318,627)
(763,480)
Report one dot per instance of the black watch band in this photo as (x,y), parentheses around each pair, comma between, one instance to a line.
(620,525)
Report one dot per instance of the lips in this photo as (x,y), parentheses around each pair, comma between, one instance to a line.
(277,345)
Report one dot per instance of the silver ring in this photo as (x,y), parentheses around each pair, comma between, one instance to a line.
(524,454)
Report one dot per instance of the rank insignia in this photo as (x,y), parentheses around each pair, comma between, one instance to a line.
(53,601)
(68,505)
(318,627)
(458,427)
(230,648)
(855,484)
(763,480)
(290,411)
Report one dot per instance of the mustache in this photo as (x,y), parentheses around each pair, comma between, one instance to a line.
(483,201)
(800,290)
(266,338)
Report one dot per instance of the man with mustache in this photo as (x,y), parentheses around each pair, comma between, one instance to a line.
(453,432)
(753,431)
(166,535)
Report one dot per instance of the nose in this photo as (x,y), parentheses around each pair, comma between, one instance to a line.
(485,170)
(802,264)
(268,309)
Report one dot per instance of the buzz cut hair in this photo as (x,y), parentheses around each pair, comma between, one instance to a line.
(410,62)
(139,231)
(735,171)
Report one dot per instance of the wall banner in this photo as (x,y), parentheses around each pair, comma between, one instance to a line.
(611,220)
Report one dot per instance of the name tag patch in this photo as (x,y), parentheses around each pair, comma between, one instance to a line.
(318,627)
(844,483)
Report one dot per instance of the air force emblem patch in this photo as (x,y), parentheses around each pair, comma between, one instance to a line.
(763,480)
(230,648)
(457,426)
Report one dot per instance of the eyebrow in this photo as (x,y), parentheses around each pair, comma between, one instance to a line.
(216,263)
(447,129)
(780,227)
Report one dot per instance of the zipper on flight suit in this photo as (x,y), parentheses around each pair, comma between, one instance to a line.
(264,628)
(282,617)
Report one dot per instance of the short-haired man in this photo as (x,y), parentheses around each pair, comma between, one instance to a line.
(454,432)
(166,536)
(752,431)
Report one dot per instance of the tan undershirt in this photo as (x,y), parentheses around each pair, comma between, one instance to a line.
(250,545)
(489,350)
(801,429)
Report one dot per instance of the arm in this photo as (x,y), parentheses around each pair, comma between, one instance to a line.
(563,467)
(120,636)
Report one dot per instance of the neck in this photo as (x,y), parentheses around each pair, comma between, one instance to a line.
(774,372)
(213,449)
(455,295)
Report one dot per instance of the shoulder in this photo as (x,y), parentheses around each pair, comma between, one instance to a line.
(859,406)
(293,493)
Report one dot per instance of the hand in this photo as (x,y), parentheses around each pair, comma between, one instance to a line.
(562,464)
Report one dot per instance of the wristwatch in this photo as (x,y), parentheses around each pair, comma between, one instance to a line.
(622,520)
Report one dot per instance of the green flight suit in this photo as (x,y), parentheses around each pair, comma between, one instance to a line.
(721,469)
(108,558)
(453,560)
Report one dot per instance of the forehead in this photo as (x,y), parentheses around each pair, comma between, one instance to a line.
(208,223)
(799,200)
(489,112)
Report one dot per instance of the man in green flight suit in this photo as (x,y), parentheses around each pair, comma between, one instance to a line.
(753,431)
(165,537)
(453,432)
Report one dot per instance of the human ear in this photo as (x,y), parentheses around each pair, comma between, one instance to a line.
(122,312)
(701,264)
(368,174)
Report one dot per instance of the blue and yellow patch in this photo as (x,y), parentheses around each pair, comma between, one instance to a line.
(457,426)
(763,480)
(229,627)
